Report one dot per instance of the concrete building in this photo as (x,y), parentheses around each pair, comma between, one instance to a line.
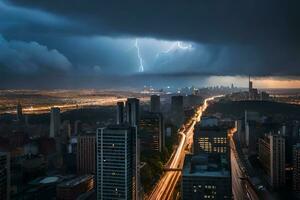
(296,167)
(19,112)
(151,131)
(133,111)
(206,176)
(177,110)
(120,112)
(271,150)
(86,154)
(55,122)
(73,188)
(4,176)
(210,140)
(155,103)
(116,163)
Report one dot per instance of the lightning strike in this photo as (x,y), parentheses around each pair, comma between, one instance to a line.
(176,45)
(141,67)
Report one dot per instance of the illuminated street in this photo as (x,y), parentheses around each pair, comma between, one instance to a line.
(164,189)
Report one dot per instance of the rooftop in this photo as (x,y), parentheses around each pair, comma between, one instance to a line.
(75,181)
(206,165)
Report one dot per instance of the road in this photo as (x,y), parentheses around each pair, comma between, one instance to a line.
(165,187)
(241,185)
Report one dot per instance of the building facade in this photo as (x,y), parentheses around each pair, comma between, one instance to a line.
(271,150)
(54,122)
(155,103)
(4,176)
(86,154)
(116,162)
(151,130)
(206,176)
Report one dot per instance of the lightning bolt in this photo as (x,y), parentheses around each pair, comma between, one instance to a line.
(174,46)
(141,67)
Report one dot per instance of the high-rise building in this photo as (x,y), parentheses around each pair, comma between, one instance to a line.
(296,167)
(132,111)
(155,103)
(206,176)
(86,154)
(116,163)
(120,112)
(4,176)
(19,112)
(54,122)
(151,131)
(210,140)
(271,149)
(177,110)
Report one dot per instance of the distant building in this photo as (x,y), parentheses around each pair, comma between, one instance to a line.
(296,167)
(116,163)
(86,154)
(206,176)
(155,103)
(210,140)
(54,122)
(271,150)
(132,111)
(177,110)
(19,112)
(120,112)
(152,131)
(73,188)
(4,176)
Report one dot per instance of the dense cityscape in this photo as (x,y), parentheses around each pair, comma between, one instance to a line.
(149,100)
(227,143)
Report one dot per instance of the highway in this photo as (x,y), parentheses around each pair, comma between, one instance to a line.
(165,187)
(241,185)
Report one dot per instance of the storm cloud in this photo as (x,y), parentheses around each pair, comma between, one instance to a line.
(227,37)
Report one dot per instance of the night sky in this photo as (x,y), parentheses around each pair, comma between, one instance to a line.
(63,43)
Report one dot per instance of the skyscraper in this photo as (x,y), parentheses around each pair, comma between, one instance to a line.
(86,154)
(116,173)
(155,103)
(152,131)
(177,110)
(19,112)
(272,157)
(132,111)
(4,176)
(54,122)
(120,112)
(296,167)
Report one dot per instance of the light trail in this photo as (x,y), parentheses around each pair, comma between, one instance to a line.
(165,187)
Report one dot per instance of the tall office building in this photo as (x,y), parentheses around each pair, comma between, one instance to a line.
(132,111)
(54,122)
(19,112)
(116,170)
(86,154)
(152,131)
(271,150)
(177,110)
(4,176)
(210,140)
(155,103)
(296,167)
(120,112)
(206,176)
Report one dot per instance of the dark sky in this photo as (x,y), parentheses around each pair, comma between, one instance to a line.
(62,42)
